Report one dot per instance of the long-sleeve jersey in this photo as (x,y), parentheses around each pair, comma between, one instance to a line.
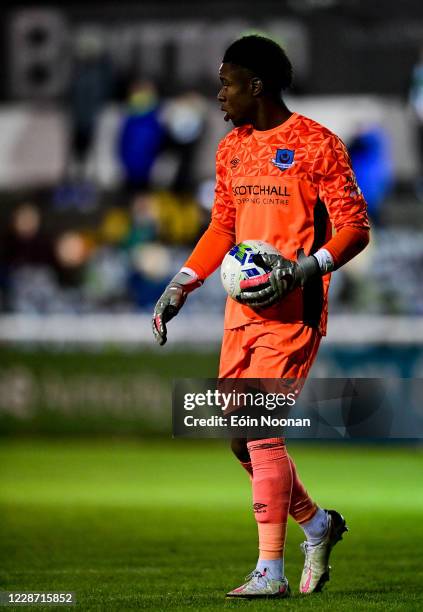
(289,186)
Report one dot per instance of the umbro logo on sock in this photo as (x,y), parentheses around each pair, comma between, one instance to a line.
(259,508)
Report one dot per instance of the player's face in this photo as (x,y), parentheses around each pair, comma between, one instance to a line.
(235,95)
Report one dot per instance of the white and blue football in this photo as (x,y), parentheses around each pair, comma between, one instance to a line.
(238,264)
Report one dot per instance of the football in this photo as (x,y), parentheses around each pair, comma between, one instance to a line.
(238,264)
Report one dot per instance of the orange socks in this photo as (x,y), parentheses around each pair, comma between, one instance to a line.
(277,490)
(271,540)
(302,507)
(272,484)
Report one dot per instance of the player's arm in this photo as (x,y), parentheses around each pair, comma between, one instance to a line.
(344,202)
(347,210)
(204,259)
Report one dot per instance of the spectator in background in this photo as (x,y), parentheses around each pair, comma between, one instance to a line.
(372,163)
(151,266)
(25,243)
(141,136)
(144,221)
(149,263)
(92,87)
(27,262)
(185,118)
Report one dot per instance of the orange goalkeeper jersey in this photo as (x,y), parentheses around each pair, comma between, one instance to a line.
(287,186)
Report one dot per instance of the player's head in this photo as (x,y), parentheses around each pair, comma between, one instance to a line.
(253,68)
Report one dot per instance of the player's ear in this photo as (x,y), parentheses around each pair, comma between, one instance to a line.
(256,86)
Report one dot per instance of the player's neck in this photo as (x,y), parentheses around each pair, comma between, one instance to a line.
(270,115)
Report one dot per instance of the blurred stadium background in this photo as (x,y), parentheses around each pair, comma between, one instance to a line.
(109,125)
(108,130)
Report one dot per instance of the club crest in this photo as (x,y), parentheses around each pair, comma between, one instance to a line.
(284,158)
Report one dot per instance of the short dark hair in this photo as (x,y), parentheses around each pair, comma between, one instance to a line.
(265,58)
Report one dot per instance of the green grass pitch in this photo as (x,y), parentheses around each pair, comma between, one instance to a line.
(167,525)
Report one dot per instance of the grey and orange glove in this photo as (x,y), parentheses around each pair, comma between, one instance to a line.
(283,276)
(170,303)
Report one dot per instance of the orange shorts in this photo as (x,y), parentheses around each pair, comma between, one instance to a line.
(268,349)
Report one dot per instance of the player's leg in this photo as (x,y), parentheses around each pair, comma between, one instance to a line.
(288,351)
(271,483)
(314,521)
(234,359)
(303,509)
(271,477)
(322,529)
(272,480)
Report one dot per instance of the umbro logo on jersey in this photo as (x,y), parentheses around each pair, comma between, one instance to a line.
(284,158)
(352,187)
(234,162)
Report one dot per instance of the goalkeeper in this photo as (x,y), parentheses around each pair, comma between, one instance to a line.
(287,180)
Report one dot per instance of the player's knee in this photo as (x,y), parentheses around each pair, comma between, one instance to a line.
(240,450)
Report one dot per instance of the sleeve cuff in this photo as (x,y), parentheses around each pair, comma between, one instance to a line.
(190,272)
(325,261)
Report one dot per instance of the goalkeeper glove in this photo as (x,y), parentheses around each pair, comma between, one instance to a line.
(170,303)
(284,276)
